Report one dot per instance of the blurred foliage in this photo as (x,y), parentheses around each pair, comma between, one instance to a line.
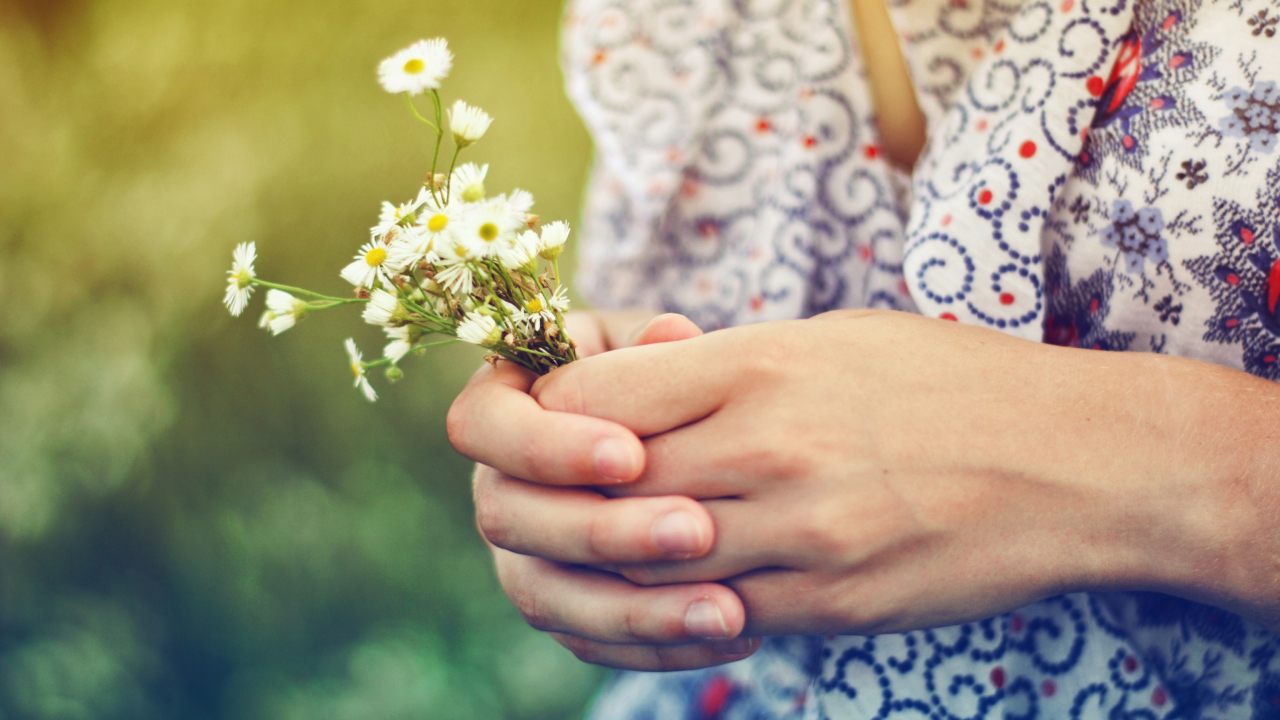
(197,520)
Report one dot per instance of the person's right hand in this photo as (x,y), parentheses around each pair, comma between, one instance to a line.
(535,470)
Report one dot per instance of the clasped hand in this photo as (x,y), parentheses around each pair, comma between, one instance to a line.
(658,507)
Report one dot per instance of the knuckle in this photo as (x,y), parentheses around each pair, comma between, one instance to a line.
(774,460)
(669,658)
(534,612)
(766,364)
(491,520)
(455,423)
(864,609)
(643,575)
(601,536)
(586,651)
(538,461)
(632,620)
(825,530)
(849,314)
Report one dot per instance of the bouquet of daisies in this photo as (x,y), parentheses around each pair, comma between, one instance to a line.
(452,262)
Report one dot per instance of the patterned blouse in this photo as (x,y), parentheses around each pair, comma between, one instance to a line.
(1100,174)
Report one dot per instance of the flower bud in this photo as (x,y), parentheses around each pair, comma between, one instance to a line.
(473,193)
(532,221)
(362,293)
(394,373)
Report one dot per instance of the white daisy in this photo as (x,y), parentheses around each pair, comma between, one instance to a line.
(403,341)
(559,300)
(467,182)
(468,123)
(457,277)
(283,311)
(376,261)
(523,253)
(417,68)
(491,228)
(541,309)
(554,236)
(519,202)
(357,369)
(479,330)
(384,309)
(239,278)
(394,216)
(438,225)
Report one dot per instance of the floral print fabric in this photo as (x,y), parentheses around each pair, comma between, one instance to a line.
(1099,175)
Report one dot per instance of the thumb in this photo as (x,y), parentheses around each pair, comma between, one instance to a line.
(667,328)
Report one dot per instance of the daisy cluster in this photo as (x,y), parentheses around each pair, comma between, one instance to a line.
(451,262)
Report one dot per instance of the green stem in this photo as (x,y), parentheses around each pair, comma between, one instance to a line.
(301,291)
(413,108)
(448,188)
(511,285)
(435,158)
(494,291)
(387,361)
(557,358)
(326,304)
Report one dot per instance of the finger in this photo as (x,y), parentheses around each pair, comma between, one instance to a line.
(716,457)
(667,328)
(496,423)
(789,602)
(588,332)
(659,658)
(580,526)
(746,540)
(603,607)
(649,389)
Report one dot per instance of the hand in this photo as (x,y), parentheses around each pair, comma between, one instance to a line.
(875,472)
(528,457)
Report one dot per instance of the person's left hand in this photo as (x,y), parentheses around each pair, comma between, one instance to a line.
(876,472)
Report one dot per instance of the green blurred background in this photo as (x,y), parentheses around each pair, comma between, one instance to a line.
(198,520)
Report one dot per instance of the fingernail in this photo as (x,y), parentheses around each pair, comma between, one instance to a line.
(678,534)
(704,620)
(614,460)
(741,646)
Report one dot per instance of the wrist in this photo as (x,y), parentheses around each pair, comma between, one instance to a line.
(1192,491)
(1231,558)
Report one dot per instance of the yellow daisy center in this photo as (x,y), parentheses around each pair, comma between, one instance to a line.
(414,66)
(534,305)
(357,369)
(488,232)
(375,257)
(437,223)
